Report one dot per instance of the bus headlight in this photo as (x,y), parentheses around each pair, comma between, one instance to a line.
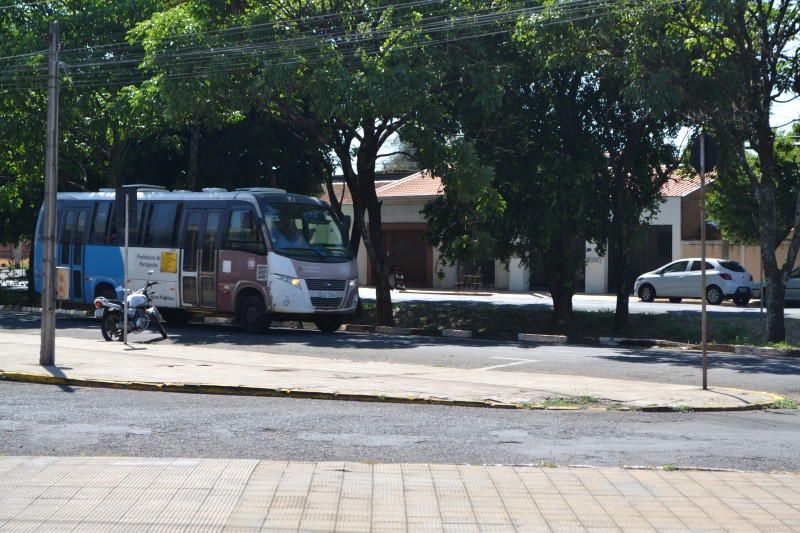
(288,279)
(353,283)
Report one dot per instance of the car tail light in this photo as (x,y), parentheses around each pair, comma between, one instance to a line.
(98,304)
(726,276)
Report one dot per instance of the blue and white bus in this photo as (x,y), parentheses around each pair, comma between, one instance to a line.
(255,254)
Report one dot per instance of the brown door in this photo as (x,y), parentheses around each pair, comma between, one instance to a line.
(407,250)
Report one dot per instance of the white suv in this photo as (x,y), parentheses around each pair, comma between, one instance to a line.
(681,279)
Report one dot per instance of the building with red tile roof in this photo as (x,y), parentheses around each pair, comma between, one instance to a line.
(404,194)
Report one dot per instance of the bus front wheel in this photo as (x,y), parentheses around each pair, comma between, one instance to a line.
(328,325)
(253,315)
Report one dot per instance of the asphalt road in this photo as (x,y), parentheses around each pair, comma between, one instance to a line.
(52,420)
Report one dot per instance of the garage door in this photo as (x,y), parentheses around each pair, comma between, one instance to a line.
(406,249)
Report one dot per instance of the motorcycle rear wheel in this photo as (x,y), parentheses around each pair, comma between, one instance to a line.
(111,327)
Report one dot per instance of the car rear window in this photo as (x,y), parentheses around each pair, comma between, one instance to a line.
(733,266)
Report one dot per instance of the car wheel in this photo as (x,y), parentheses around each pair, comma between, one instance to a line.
(675,300)
(714,295)
(741,301)
(647,293)
(328,325)
(253,315)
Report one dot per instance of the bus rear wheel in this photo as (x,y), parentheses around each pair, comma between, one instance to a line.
(253,315)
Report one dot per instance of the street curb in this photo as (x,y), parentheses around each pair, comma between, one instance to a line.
(760,406)
(543,339)
(244,390)
(721,348)
(621,341)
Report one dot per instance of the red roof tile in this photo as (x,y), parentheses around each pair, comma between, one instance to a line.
(417,184)
(681,184)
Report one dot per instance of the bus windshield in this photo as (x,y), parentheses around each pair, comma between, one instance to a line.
(305,232)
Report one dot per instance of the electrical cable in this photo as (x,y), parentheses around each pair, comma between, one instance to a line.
(127,64)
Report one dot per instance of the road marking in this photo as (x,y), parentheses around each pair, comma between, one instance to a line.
(519,362)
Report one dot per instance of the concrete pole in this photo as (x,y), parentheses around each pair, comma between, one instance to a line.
(48,348)
(704,319)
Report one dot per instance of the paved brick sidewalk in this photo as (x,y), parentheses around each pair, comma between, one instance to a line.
(82,494)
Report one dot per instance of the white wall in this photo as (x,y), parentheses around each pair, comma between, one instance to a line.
(518,276)
(404,210)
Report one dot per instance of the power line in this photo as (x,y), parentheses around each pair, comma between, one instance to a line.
(127,63)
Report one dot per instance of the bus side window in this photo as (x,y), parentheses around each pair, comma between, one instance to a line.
(138,233)
(161,224)
(243,232)
(99,229)
(66,237)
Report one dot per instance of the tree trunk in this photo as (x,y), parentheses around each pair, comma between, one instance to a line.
(620,251)
(562,306)
(620,256)
(773,274)
(115,157)
(775,305)
(377,254)
(365,202)
(560,272)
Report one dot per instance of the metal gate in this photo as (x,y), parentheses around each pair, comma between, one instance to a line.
(654,251)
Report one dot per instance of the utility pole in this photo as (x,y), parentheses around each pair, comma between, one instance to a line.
(704,313)
(704,157)
(48,348)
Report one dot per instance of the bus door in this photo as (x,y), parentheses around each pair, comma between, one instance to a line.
(199,261)
(71,252)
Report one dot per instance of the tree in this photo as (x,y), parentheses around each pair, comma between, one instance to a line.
(728,62)
(349,75)
(732,204)
(634,134)
(576,156)
(188,83)
(22,119)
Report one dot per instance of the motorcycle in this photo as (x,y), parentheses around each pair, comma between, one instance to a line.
(141,313)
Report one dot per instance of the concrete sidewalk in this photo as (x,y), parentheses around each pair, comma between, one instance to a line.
(180,368)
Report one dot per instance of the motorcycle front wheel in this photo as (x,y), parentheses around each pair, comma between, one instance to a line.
(111,327)
(161,329)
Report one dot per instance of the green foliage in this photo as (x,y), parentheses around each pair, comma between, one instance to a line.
(550,116)
(784,403)
(572,401)
(732,202)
